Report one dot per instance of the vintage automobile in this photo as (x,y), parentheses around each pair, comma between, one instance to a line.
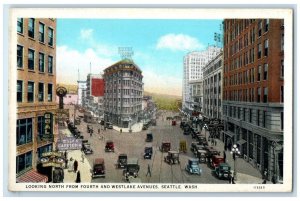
(149,137)
(182,124)
(216,161)
(122,161)
(222,171)
(98,168)
(77,121)
(202,155)
(148,152)
(109,147)
(132,168)
(108,125)
(211,151)
(86,148)
(192,167)
(186,131)
(145,127)
(165,147)
(172,157)
(173,122)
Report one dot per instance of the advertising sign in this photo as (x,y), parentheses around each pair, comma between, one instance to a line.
(69,143)
(48,124)
(52,159)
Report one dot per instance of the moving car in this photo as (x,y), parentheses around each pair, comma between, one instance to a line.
(86,148)
(192,166)
(222,171)
(216,161)
(149,137)
(98,168)
(132,168)
(202,155)
(172,157)
(122,161)
(148,152)
(165,147)
(109,125)
(110,146)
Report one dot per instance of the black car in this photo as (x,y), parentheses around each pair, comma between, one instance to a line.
(186,132)
(182,124)
(148,153)
(122,161)
(149,137)
(132,168)
(108,125)
(86,148)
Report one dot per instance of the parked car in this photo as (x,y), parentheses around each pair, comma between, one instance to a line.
(148,152)
(86,148)
(182,124)
(202,155)
(165,147)
(109,147)
(109,125)
(192,166)
(222,171)
(211,151)
(145,127)
(172,157)
(122,160)
(132,168)
(149,137)
(216,161)
(98,168)
(186,132)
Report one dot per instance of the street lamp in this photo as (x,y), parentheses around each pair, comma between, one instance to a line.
(205,127)
(235,151)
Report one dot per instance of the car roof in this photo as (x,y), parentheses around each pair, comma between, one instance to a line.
(193,159)
(99,161)
(132,160)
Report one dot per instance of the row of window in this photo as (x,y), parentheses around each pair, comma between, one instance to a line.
(247,95)
(132,74)
(31,30)
(31,91)
(32,60)
(212,68)
(124,92)
(124,110)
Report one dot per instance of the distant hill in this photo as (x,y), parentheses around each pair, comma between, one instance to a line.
(165,101)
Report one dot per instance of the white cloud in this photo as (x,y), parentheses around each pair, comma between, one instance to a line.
(180,42)
(68,61)
(164,84)
(86,33)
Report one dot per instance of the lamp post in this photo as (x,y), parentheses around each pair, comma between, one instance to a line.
(205,129)
(235,151)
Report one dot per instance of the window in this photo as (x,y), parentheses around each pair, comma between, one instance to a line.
(20,56)
(258,73)
(267,21)
(265,71)
(41,32)
(282,69)
(50,86)
(19,91)
(259,28)
(41,92)
(259,51)
(266,52)
(31,27)
(30,59)
(282,41)
(265,95)
(41,129)
(250,136)
(281,120)
(50,36)
(50,64)
(20,25)
(244,114)
(250,115)
(258,94)
(30,92)
(264,118)
(258,117)
(281,94)
(41,62)
(24,162)
(24,131)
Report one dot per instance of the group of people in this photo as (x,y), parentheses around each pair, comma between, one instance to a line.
(73,167)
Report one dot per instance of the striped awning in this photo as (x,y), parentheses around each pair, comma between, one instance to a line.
(32,177)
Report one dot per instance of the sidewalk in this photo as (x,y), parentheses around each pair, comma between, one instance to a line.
(246,173)
(135,128)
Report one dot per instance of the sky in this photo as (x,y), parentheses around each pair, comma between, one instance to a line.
(158,45)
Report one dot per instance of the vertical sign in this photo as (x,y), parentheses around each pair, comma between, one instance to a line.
(48,126)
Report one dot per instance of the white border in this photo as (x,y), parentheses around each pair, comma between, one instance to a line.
(155,13)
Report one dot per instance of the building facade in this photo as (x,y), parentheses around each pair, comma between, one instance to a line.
(36,83)
(193,70)
(81,86)
(123,93)
(196,87)
(213,87)
(253,97)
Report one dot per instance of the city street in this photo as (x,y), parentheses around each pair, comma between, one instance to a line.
(133,145)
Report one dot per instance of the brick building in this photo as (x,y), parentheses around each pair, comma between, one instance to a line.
(36,83)
(253,91)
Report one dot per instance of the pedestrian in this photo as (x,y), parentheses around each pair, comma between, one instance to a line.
(66,163)
(78,179)
(148,171)
(215,142)
(65,154)
(82,157)
(75,165)
(121,130)
(224,156)
(98,130)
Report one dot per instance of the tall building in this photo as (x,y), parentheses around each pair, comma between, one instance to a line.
(253,91)
(196,87)
(192,70)
(213,87)
(36,82)
(81,87)
(123,93)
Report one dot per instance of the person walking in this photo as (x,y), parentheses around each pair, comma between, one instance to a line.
(82,157)
(121,130)
(75,165)
(66,163)
(224,156)
(78,179)
(148,171)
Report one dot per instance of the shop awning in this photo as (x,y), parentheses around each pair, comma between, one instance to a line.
(241,142)
(32,177)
